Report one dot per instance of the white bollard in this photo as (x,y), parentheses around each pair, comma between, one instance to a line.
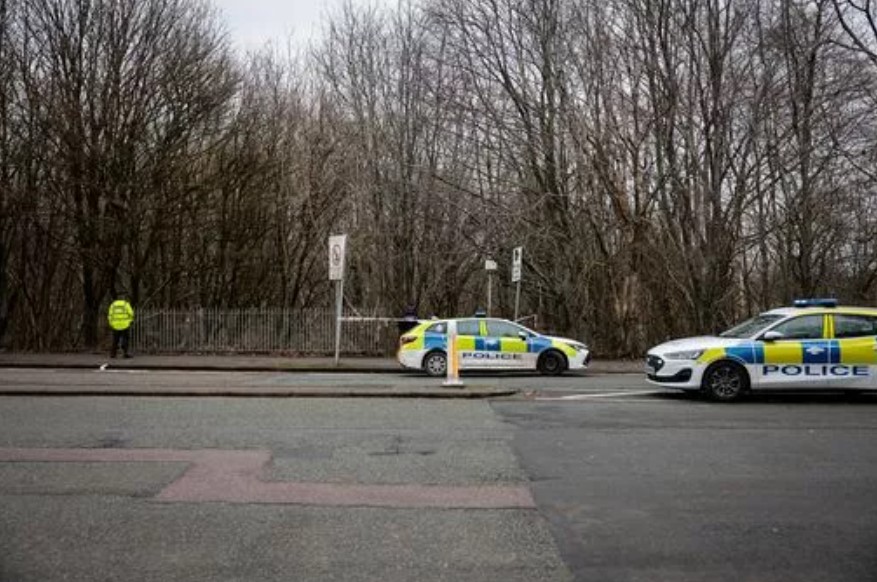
(453,358)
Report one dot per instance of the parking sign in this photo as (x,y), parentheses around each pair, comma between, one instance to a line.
(337,248)
(517,256)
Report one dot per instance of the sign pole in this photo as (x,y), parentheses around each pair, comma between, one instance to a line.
(339,307)
(490,267)
(337,254)
(517,256)
(517,299)
(489,292)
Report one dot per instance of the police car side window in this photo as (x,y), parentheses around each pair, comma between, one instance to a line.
(437,328)
(502,329)
(846,326)
(805,327)
(467,327)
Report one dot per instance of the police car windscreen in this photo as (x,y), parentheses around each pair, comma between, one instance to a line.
(752,326)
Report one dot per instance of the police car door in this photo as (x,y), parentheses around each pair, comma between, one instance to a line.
(504,340)
(856,340)
(468,338)
(800,356)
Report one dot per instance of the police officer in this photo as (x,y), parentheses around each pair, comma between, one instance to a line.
(409,319)
(120,316)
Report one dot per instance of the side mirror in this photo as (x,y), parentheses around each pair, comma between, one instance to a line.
(523,335)
(772,336)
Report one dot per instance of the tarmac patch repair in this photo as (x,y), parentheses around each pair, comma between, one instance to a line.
(232,476)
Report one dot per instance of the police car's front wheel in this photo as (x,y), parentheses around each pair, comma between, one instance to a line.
(725,381)
(435,364)
(552,364)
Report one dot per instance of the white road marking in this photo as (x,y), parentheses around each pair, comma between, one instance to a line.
(602,395)
(146,371)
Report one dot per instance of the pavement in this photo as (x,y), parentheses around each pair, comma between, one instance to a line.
(223,385)
(199,362)
(243,363)
(220,383)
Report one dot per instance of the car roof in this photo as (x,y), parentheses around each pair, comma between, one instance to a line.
(479,318)
(843,310)
(426,323)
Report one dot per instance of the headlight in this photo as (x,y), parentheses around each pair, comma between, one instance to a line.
(578,347)
(686,355)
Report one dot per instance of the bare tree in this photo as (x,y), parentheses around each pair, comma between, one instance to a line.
(669,166)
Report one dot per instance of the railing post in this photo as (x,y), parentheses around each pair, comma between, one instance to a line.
(202,331)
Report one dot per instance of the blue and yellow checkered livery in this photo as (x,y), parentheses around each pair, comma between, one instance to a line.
(850,351)
(426,340)
(504,349)
(846,351)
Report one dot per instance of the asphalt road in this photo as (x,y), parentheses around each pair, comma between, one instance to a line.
(664,487)
(523,381)
(582,477)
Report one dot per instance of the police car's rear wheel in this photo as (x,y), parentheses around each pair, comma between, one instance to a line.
(435,364)
(725,381)
(552,364)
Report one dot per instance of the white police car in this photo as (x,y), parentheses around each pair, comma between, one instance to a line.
(487,343)
(815,344)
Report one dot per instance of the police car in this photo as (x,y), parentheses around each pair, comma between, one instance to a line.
(486,343)
(815,344)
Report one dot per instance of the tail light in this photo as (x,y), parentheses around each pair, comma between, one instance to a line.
(407,339)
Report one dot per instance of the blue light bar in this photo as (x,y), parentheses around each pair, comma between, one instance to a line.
(826,302)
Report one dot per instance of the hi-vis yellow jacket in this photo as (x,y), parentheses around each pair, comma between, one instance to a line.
(120,315)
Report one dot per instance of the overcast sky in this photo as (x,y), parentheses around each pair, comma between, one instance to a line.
(253,22)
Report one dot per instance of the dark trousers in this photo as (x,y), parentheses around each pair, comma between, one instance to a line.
(120,337)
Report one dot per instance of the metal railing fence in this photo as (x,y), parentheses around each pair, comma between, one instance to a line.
(259,331)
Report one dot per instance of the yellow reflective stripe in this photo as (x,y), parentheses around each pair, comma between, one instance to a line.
(121,307)
(858,351)
(417,344)
(563,347)
(417,331)
(783,353)
(711,355)
(466,342)
(512,345)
